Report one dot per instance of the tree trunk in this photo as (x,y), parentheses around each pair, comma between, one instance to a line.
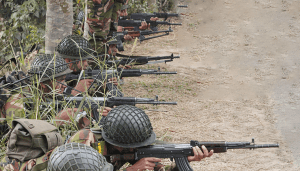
(86,26)
(59,22)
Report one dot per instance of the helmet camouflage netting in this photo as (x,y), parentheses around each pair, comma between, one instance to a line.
(74,47)
(77,157)
(47,62)
(128,127)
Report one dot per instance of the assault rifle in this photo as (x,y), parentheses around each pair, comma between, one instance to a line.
(135,24)
(118,37)
(180,152)
(117,101)
(95,102)
(106,74)
(140,60)
(148,16)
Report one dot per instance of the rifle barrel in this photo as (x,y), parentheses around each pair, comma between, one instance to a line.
(163,22)
(163,57)
(156,102)
(131,99)
(175,24)
(149,57)
(263,146)
(159,73)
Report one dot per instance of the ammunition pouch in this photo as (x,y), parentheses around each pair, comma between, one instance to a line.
(30,138)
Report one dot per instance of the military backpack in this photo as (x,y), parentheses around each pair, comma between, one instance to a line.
(30,139)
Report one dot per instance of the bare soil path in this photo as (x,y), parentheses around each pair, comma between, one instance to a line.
(237,79)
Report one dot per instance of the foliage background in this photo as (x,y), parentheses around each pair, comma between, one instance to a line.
(23,22)
(22,26)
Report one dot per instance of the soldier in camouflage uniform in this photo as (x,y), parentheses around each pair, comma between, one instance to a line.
(117,138)
(101,17)
(14,106)
(75,48)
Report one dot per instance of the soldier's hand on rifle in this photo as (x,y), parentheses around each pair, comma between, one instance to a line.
(114,80)
(128,37)
(64,117)
(199,155)
(105,111)
(154,18)
(144,163)
(82,86)
(144,25)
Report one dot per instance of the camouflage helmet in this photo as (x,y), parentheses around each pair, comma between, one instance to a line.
(128,127)
(44,64)
(77,157)
(74,47)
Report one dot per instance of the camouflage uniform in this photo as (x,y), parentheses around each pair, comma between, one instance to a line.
(37,164)
(14,108)
(86,136)
(101,17)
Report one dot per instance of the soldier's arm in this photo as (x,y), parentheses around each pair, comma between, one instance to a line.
(67,116)
(14,108)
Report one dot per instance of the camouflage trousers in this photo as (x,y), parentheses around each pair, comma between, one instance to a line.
(101,15)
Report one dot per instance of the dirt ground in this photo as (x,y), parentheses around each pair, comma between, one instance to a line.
(237,80)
